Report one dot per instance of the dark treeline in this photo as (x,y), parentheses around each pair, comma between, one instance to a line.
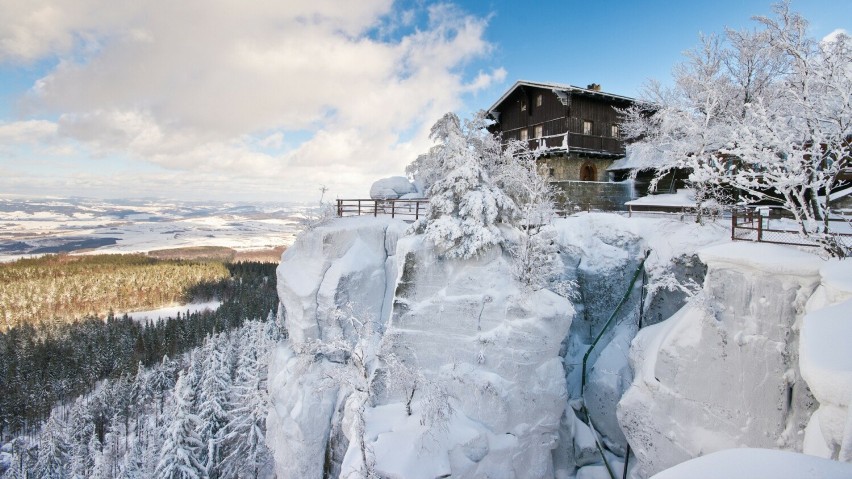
(49,363)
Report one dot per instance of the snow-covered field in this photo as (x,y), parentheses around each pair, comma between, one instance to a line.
(172,311)
(58,225)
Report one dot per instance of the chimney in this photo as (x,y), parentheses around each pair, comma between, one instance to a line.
(594,87)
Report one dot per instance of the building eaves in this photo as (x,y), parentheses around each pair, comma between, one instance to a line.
(559,87)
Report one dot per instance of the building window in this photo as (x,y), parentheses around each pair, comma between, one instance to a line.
(614,131)
(551,172)
(538,100)
(523,106)
(539,131)
(587,127)
(524,135)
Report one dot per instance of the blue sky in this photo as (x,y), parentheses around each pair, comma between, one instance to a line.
(251,101)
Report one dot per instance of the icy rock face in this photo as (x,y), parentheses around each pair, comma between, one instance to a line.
(826,363)
(330,266)
(465,325)
(723,371)
(391,188)
(495,349)
(686,269)
(602,262)
(325,268)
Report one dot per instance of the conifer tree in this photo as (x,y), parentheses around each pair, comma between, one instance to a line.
(52,460)
(213,408)
(465,205)
(182,446)
(248,452)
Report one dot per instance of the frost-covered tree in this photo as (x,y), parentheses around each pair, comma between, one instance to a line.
(179,455)
(245,432)
(465,204)
(134,462)
(52,458)
(766,113)
(81,428)
(535,258)
(213,407)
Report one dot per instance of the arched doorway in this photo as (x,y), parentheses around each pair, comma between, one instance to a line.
(588,172)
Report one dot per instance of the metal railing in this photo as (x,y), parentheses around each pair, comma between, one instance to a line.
(756,224)
(408,210)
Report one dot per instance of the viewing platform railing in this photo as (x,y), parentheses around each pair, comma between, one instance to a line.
(747,224)
(408,210)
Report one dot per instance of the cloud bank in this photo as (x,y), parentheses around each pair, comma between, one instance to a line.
(269,96)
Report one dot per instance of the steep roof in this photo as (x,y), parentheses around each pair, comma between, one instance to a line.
(562,87)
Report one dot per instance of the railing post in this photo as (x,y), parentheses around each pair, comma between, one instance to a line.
(359,207)
(759,228)
(417,210)
(339,209)
(733,223)
(393,208)
(375,207)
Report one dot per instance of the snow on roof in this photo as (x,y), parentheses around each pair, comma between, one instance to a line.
(684,197)
(840,193)
(560,87)
(752,463)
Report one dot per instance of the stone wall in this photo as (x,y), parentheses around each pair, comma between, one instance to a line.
(593,195)
(568,167)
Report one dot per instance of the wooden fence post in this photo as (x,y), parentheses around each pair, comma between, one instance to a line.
(417,210)
(733,223)
(759,227)
(393,208)
(375,207)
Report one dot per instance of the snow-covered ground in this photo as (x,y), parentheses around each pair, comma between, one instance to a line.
(748,463)
(31,227)
(172,311)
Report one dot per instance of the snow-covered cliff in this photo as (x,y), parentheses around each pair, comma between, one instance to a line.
(470,375)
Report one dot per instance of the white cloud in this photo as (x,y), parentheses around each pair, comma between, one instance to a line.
(201,86)
(27,132)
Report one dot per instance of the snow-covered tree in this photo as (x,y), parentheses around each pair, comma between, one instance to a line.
(213,414)
(245,432)
(465,204)
(766,113)
(134,462)
(52,458)
(81,428)
(535,257)
(179,455)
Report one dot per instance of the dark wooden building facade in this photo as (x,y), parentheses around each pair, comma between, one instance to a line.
(575,129)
